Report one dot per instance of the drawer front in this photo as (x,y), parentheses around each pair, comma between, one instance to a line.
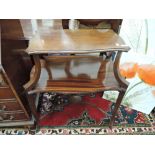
(6,93)
(7,106)
(11,117)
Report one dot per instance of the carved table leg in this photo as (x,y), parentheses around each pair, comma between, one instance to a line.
(123,84)
(31,101)
(33,81)
(31,84)
(117,105)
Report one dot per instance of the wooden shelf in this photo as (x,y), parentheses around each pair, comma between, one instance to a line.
(75,74)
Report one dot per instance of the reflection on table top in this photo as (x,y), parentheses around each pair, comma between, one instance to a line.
(75,41)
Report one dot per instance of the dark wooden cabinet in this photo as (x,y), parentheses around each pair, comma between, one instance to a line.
(14,72)
(11,108)
(115,24)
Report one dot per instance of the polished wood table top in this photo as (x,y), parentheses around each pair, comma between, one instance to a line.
(76,41)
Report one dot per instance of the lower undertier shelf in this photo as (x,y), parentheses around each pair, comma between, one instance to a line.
(75,74)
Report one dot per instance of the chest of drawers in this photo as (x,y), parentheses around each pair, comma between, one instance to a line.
(11,109)
(14,108)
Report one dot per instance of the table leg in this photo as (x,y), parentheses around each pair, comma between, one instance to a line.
(117,105)
(33,108)
(33,81)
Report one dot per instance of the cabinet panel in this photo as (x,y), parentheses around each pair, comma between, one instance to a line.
(9,105)
(14,73)
(6,93)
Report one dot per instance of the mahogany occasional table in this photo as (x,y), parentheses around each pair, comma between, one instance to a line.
(56,69)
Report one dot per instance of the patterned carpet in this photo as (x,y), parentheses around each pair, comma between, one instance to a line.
(91,115)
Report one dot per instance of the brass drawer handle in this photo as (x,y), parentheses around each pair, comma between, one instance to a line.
(3,108)
(11,117)
(1,118)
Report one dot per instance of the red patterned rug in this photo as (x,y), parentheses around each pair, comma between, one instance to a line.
(91,115)
(92,112)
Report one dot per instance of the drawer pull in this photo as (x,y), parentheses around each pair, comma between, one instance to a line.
(1,118)
(3,108)
(11,118)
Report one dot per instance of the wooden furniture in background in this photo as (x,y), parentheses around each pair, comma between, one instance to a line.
(15,34)
(79,74)
(114,23)
(14,72)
